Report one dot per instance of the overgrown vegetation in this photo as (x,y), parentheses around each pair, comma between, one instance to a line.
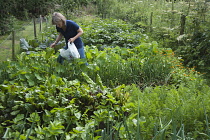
(141,91)
(141,81)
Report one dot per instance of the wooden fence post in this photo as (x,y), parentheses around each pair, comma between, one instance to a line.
(40,23)
(13,45)
(183,19)
(34,27)
(172,14)
(151,15)
(172,8)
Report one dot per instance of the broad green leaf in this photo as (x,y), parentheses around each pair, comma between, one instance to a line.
(47,113)
(31,82)
(74,82)
(57,109)
(55,127)
(97,137)
(88,55)
(34,117)
(88,79)
(78,129)
(38,76)
(18,118)
(28,75)
(99,82)
(4,87)
(52,103)
(68,137)
(29,107)
(78,115)
(15,112)
(22,137)
(49,52)
(1,107)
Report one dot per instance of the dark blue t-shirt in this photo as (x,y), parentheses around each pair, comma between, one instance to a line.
(71,31)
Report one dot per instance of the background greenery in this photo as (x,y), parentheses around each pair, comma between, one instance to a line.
(144,80)
(180,25)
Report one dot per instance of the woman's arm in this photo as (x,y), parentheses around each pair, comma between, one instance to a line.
(57,40)
(79,33)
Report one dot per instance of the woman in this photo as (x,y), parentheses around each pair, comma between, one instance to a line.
(70,31)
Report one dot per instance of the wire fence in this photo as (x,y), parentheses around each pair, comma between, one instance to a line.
(10,45)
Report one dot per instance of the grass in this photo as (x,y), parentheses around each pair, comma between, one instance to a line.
(26,32)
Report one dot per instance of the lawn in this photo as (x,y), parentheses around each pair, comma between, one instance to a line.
(26,31)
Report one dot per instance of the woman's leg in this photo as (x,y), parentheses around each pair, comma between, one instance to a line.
(82,53)
(60,59)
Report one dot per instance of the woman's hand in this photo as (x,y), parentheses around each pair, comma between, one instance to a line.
(71,40)
(53,45)
(79,33)
(56,41)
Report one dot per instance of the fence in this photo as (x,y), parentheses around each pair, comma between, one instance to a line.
(10,44)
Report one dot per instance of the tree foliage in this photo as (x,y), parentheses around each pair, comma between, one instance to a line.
(21,9)
(33,8)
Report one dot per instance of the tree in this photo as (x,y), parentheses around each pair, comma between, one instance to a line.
(20,9)
(5,16)
(34,8)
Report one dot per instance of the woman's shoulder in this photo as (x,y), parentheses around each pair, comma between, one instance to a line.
(70,22)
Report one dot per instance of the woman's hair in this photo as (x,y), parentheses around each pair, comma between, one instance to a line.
(57,17)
